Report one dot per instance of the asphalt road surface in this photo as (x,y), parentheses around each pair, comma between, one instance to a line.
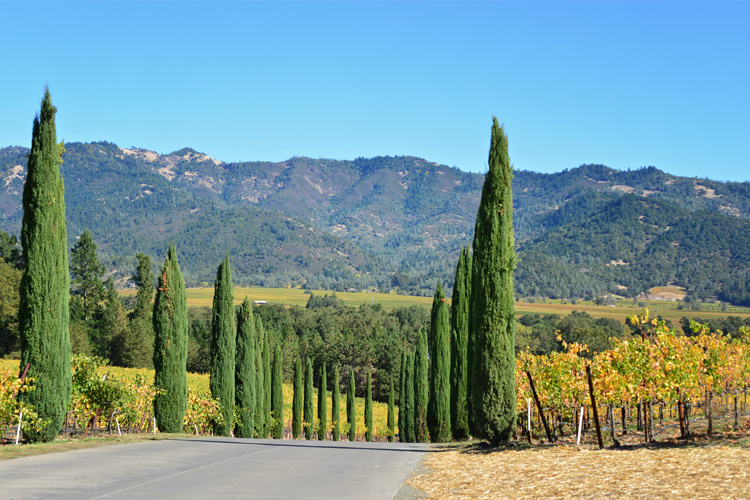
(218,468)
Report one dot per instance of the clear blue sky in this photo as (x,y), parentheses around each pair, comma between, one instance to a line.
(625,84)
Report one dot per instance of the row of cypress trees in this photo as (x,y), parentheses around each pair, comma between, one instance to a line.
(476,341)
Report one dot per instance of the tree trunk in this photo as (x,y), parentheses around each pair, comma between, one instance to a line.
(611,415)
(709,413)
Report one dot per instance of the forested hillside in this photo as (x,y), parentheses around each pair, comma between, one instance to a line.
(397,222)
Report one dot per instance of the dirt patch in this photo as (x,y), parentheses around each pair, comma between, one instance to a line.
(623,188)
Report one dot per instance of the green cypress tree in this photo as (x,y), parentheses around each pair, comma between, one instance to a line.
(409,418)
(439,402)
(170,346)
(266,360)
(351,413)
(335,406)
(493,373)
(368,408)
(223,347)
(402,397)
(459,345)
(45,286)
(391,414)
(421,388)
(322,405)
(297,399)
(244,380)
(309,418)
(277,394)
(267,389)
(260,380)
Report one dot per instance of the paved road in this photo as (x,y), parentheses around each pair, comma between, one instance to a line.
(212,468)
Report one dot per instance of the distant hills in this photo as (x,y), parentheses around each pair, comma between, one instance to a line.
(395,221)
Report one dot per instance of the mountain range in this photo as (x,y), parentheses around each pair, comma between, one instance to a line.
(396,222)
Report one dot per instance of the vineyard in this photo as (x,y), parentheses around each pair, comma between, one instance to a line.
(659,376)
(114,400)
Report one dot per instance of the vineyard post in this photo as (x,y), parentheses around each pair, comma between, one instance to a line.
(539,408)
(611,414)
(593,407)
(709,414)
(681,411)
(20,414)
(624,425)
(580,427)
(528,417)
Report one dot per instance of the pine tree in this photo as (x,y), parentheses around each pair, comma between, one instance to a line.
(260,380)
(138,344)
(309,418)
(409,417)
(459,345)
(335,407)
(87,284)
(170,346)
(402,398)
(322,405)
(110,322)
(45,286)
(421,388)
(223,347)
(438,414)
(297,399)
(277,394)
(245,385)
(368,408)
(351,412)
(391,414)
(493,373)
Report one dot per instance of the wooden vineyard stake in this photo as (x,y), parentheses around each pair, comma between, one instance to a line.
(550,438)
(580,427)
(593,407)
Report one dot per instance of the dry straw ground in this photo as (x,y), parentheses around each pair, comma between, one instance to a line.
(701,468)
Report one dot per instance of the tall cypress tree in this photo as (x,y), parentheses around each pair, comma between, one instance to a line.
(260,380)
(309,418)
(223,347)
(421,388)
(351,412)
(335,406)
(368,408)
(322,405)
(438,414)
(408,405)
(391,414)
(170,346)
(459,345)
(297,399)
(266,378)
(244,380)
(277,394)
(493,385)
(402,398)
(45,286)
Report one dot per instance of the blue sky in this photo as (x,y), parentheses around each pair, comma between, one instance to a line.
(625,84)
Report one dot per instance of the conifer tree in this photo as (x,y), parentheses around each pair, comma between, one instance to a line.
(335,406)
(309,418)
(260,380)
(266,377)
(267,389)
(493,386)
(351,412)
(87,284)
(138,342)
(421,388)
(438,414)
(277,394)
(459,347)
(45,286)
(244,380)
(322,405)
(368,408)
(391,414)
(402,398)
(297,399)
(409,418)
(170,346)
(223,347)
